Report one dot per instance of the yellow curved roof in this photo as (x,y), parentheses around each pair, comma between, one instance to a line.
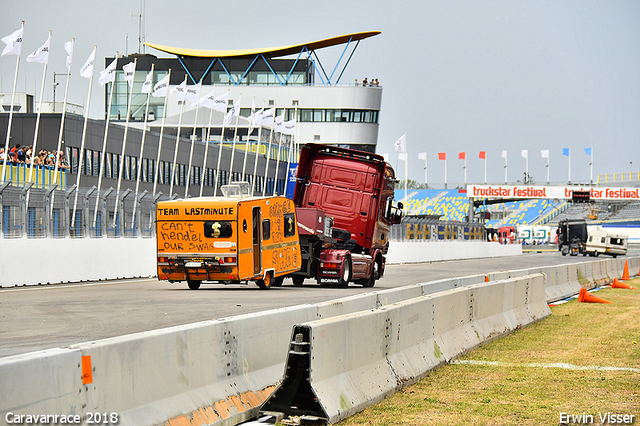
(272,52)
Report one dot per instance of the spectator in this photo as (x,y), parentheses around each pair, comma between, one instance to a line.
(356,81)
(365,82)
(21,155)
(2,154)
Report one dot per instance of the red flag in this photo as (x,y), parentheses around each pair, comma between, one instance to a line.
(483,154)
(462,155)
(442,156)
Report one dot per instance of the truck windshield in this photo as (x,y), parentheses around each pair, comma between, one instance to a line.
(218,229)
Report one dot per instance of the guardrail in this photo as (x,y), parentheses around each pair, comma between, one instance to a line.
(223,370)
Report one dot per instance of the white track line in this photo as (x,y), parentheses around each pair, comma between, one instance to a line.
(540,365)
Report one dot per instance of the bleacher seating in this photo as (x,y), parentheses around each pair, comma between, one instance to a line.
(451,204)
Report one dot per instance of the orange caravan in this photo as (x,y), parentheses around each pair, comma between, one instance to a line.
(227,239)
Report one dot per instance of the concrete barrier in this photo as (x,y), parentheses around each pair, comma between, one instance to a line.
(222,370)
(148,378)
(57,260)
(339,366)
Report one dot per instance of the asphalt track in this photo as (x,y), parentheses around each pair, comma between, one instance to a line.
(41,317)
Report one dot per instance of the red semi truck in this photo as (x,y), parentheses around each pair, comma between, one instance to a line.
(344,207)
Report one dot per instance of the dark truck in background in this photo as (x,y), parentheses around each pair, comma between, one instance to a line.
(344,207)
(572,237)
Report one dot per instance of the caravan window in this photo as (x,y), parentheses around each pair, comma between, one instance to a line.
(617,241)
(266,229)
(289,225)
(218,229)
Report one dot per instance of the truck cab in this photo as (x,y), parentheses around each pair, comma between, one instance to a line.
(354,190)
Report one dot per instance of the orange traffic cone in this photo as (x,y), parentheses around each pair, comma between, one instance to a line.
(585,297)
(486,278)
(625,273)
(619,284)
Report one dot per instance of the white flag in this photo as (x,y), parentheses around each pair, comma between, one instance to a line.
(192,93)
(87,69)
(148,83)
(220,102)
(233,112)
(525,153)
(179,91)
(68,46)
(268,116)
(544,153)
(422,156)
(207,100)
(504,153)
(401,144)
(13,42)
(129,73)
(402,156)
(253,113)
(289,127)
(41,55)
(160,88)
(109,73)
(257,118)
(280,123)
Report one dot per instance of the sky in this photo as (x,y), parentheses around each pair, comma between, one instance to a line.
(457,75)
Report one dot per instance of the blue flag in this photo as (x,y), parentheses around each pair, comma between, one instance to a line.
(566,151)
(588,150)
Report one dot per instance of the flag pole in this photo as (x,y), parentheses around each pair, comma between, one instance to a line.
(445,173)
(485,169)
(215,187)
(505,169)
(291,149)
(64,111)
(164,114)
(193,142)
(591,168)
(175,153)
(547,170)
(235,135)
(266,166)
(255,162)
(13,97)
(144,133)
(465,169)
(569,165)
(35,133)
(278,155)
(104,152)
(81,154)
(206,146)
(124,145)
(247,144)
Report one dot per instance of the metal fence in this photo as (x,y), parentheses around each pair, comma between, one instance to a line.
(47,213)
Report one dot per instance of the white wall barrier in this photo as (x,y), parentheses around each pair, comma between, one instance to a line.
(55,260)
(339,366)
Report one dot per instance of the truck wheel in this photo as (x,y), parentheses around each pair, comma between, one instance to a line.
(346,272)
(596,254)
(194,284)
(298,280)
(375,273)
(278,281)
(265,284)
